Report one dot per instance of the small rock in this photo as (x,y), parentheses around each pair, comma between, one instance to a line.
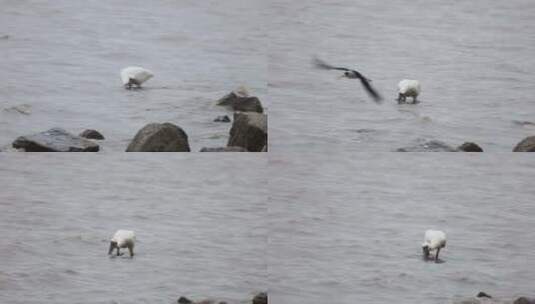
(239,100)
(470,147)
(249,130)
(224,149)
(184,300)
(526,145)
(4,37)
(156,137)
(481,294)
(55,140)
(92,134)
(260,298)
(223,118)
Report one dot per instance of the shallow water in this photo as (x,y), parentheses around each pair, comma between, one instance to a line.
(62,60)
(474,60)
(350,230)
(199,226)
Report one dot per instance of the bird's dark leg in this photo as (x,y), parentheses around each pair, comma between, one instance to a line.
(118,254)
(131,249)
(436,256)
(414,100)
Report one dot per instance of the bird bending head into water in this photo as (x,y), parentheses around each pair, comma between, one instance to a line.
(409,88)
(433,240)
(135,76)
(351,74)
(123,239)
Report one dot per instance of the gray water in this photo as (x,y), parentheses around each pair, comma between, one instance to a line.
(61,63)
(350,230)
(474,59)
(198,221)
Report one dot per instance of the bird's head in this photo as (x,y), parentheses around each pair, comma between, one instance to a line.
(113,245)
(354,75)
(426,250)
(351,75)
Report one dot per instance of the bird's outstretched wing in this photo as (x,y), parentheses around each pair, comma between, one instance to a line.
(371,91)
(320,64)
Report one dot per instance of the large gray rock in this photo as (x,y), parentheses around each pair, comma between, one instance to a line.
(55,140)
(156,137)
(249,131)
(239,100)
(224,149)
(526,145)
(92,134)
(261,298)
(524,300)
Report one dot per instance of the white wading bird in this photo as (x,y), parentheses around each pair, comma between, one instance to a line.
(123,239)
(409,88)
(433,240)
(135,76)
(351,74)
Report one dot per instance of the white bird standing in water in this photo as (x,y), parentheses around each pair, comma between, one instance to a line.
(123,239)
(433,240)
(135,76)
(409,88)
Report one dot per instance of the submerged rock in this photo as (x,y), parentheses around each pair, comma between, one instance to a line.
(223,118)
(24,109)
(261,298)
(92,134)
(224,149)
(240,100)
(429,146)
(249,131)
(184,300)
(470,147)
(526,145)
(156,137)
(55,140)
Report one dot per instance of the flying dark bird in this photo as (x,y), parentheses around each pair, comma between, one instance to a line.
(351,74)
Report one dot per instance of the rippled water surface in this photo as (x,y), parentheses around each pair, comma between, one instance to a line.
(199,225)
(350,230)
(474,59)
(61,61)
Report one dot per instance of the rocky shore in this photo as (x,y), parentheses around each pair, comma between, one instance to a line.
(248,133)
(260,298)
(485,298)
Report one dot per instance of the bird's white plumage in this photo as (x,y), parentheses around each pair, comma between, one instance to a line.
(138,74)
(409,88)
(124,238)
(434,239)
